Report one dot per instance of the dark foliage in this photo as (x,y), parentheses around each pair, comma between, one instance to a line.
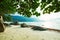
(28,7)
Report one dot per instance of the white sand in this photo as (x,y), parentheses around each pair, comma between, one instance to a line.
(16,33)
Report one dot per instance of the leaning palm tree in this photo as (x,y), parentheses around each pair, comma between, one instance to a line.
(5,8)
(2,27)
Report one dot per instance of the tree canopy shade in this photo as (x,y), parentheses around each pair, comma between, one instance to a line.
(28,7)
(50,6)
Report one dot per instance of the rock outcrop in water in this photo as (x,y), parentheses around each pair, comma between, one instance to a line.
(38,28)
(24,25)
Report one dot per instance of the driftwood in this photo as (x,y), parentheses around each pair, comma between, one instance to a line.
(50,29)
(2,27)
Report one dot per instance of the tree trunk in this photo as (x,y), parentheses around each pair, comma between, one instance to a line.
(2,27)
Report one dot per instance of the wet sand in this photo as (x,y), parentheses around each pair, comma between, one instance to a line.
(17,33)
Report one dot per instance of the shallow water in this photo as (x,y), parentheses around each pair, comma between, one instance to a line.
(48,24)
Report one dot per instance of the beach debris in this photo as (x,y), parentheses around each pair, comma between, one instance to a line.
(51,29)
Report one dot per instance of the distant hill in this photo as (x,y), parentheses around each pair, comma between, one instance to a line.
(25,19)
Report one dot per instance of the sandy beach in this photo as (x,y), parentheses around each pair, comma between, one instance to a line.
(18,33)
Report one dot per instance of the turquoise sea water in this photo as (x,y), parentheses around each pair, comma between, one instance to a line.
(25,19)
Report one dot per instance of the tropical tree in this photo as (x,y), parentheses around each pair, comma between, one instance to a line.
(28,7)
(50,6)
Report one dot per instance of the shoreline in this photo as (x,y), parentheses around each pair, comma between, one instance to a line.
(37,24)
